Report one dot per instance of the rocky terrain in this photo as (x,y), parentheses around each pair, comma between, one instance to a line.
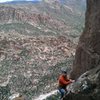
(87,58)
(27,63)
(36,40)
(86,87)
(44,18)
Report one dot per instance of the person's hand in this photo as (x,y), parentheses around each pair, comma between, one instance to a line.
(72,81)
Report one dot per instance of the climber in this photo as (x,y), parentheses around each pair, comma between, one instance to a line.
(63,82)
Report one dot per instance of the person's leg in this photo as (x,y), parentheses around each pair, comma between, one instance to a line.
(63,92)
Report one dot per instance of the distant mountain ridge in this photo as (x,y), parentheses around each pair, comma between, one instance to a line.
(20,1)
(46,17)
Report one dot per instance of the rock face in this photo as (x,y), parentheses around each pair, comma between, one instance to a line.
(86,87)
(11,14)
(87,58)
(88,50)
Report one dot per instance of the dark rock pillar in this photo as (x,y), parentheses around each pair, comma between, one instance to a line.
(88,49)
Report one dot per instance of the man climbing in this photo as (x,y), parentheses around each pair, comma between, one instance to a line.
(63,82)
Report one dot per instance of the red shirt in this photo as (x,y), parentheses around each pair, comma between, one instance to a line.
(63,81)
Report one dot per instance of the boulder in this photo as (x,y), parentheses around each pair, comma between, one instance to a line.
(87,86)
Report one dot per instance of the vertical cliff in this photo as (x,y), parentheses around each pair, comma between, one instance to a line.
(88,49)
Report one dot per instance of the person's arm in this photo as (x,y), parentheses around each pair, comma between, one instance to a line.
(65,82)
(72,80)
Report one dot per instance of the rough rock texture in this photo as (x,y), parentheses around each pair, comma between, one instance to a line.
(10,14)
(88,50)
(27,63)
(87,87)
(87,58)
(44,18)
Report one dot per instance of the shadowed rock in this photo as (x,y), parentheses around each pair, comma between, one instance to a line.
(88,49)
(87,87)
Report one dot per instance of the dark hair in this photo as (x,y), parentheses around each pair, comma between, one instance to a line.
(64,72)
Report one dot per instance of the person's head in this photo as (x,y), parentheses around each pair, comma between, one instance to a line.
(64,71)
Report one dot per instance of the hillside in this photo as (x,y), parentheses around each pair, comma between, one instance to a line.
(43,18)
(36,40)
